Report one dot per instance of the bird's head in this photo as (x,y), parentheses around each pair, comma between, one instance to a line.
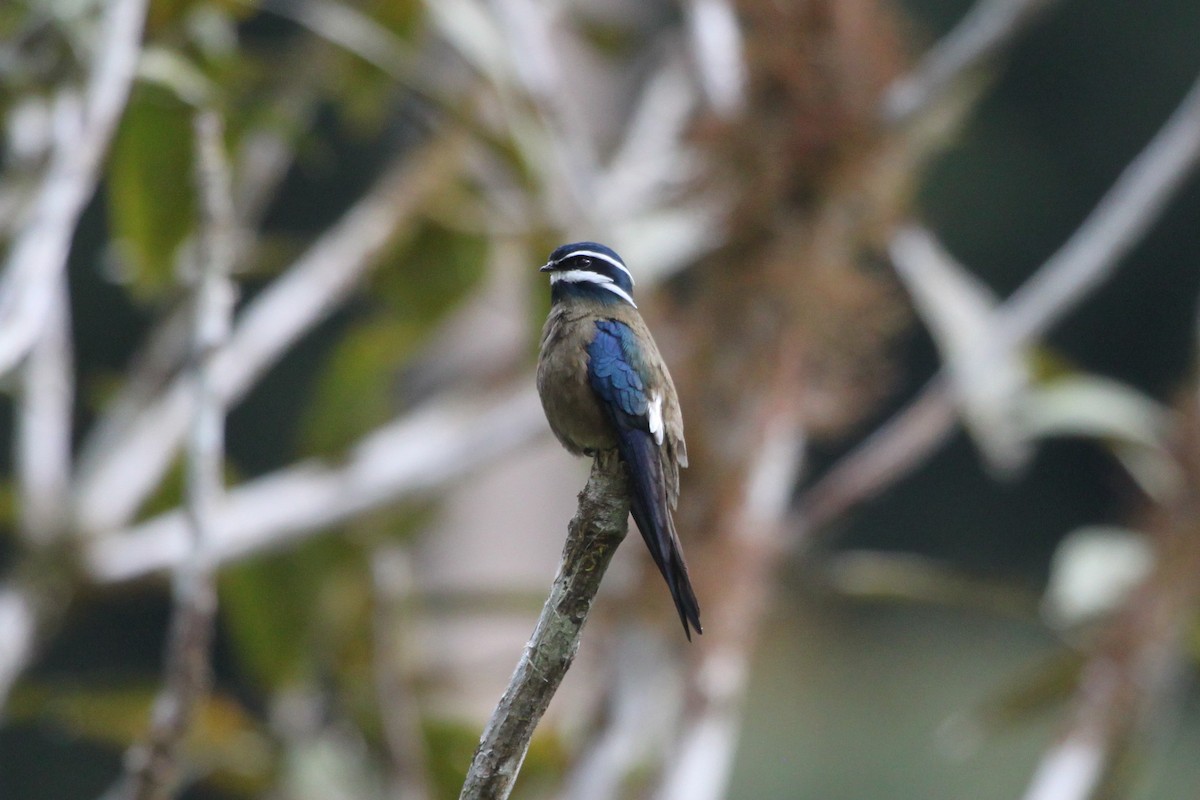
(589,269)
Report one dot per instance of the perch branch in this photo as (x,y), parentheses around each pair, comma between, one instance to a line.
(598,527)
(154,766)
(1089,257)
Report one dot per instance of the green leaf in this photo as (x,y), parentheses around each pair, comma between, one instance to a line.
(150,194)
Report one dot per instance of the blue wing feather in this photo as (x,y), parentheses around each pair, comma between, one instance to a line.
(612,375)
(614,372)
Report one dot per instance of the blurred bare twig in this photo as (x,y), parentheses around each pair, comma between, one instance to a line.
(717,47)
(35,323)
(45,410)
(83,126)
(264,154)
(417,453)
(987,29)
(18,633)
(45,413)
(598,528)
(563,145)
(154,766)
(1085,260)
(124,459)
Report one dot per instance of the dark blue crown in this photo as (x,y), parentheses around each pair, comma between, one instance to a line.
(592,257)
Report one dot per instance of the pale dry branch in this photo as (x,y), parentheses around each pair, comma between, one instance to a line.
(986,30)
(83,126)
(124,459)
(45,410)
(598,528)
(154,766)
(1089,257)
(959,311)
(18,634)
(717,48)
(642,703)
(1119,221)
(418,453)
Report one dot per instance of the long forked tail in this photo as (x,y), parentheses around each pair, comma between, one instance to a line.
(648,504)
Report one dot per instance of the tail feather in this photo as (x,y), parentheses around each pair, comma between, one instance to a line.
(648,504)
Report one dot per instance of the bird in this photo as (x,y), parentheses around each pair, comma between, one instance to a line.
(605,387)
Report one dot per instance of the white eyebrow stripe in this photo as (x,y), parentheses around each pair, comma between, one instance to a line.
(584,276)
(603,257)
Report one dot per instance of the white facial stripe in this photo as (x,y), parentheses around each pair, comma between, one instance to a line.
(621,293)
(584,276)
(602,257)
(654,413)
(579,276)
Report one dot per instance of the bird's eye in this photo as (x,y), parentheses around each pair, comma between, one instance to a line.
(585,262)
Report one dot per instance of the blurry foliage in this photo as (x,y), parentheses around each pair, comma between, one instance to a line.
(166,15)
(356,389)
(452,743)
(424,277)
(267,606)
(151,199)
(1039,689)
(450,748)
(305,614)
(226,745)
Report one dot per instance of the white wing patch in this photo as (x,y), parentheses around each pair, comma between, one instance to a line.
(654,412)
